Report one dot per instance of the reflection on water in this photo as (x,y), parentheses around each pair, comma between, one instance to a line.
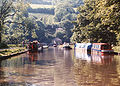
(57,67)
(94,58)
(97,71)
(51,67)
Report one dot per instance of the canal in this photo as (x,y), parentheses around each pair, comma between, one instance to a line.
(58,67)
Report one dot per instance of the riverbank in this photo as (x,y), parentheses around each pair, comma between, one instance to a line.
(116,49)
(5,53)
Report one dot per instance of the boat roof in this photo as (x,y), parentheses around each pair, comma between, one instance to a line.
(84,43)
(100,44)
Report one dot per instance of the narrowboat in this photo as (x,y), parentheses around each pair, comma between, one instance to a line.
(54,45)
(67,46)
(34,46)
(102,48)
(45,45)
(83,46)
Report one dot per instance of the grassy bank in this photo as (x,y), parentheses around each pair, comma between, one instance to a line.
(10,51)
(116,49)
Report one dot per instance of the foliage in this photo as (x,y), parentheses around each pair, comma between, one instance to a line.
(65,14)
(11,15)
(3,45)
(68,26)
(61,11)
(98,21)
(60,34)
(5,10)
(22,26)
(42,10)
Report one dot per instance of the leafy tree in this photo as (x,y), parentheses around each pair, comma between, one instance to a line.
(67,26)
(5,12)
(40,32)
(61,10)
(10,14)
(60,34)
(70,17)
(98,21)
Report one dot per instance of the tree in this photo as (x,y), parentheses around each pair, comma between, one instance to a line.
(7,12)
(98,21)
(60,33)
(61,10)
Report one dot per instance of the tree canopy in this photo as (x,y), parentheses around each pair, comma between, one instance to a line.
(98,21)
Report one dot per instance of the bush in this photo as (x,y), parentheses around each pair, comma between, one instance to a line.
(3,45)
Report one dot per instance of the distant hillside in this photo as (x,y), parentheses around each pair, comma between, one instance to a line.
(35,6)
(42,10)
(45,2)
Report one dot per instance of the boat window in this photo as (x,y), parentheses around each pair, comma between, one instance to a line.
(97,46)
(79,46)
(93,46)
(83,46)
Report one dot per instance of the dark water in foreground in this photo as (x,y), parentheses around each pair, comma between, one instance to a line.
(57,67)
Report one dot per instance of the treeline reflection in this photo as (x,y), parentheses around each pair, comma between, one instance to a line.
(31,58)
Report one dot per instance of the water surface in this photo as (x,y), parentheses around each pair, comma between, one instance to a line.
(58,67)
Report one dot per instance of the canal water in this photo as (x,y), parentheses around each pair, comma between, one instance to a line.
(59,67)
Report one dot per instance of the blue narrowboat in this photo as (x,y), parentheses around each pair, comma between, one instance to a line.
(83,46)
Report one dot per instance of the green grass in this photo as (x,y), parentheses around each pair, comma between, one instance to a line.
(14,45)
(116,49)
(35,6)
(7,52)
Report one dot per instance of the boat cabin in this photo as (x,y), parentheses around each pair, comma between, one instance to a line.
(33,46)
(83,46)
(102,47)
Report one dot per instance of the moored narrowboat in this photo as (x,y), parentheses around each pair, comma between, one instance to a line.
(35,46)
(102,48)
(83,46)
(67,46)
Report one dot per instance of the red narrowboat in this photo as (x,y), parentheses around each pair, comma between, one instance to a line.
(33,46)
(102,48)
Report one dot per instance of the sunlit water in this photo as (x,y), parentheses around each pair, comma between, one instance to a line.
(58,67)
